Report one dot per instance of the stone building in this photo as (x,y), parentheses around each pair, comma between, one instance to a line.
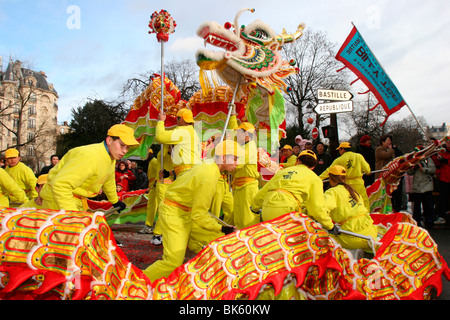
(439,132)
(28,114)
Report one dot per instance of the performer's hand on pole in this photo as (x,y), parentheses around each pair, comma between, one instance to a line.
(161,116)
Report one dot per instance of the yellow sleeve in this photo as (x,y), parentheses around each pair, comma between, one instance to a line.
(165,136)
(109,189)
(315,207)
(365,167)
(31,181)
(12,188)
(205,191)
(330,200)
(71,176)
(291,161)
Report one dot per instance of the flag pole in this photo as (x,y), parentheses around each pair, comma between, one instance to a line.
(407,105)
(231,107)
(163,25)
(161,110)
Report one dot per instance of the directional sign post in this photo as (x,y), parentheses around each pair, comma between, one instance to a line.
(334,107)
(334,101)
(334,95)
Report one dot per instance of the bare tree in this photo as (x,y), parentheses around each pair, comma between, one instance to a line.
(183,73)
(18,114)
(315,58)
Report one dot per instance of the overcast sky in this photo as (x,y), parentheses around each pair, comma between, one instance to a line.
(89,48)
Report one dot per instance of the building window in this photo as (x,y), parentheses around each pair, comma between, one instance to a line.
(31,123)
(31,136)
(30,151)
(15,123)
(31,110)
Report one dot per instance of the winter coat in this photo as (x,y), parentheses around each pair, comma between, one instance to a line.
(423,179)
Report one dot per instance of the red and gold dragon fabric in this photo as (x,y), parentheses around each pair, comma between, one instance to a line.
(72,255)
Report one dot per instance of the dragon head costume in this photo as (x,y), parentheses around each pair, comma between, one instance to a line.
(250,51)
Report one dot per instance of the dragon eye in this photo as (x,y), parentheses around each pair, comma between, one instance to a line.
(259,33)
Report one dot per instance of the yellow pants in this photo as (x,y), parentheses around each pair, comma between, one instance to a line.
(176,227)
(277,204)
(223,201)
(151,207)
(200,237)
(160,193)
(243,197)
(351,242)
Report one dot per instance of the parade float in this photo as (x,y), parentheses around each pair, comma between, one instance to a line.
(68,255)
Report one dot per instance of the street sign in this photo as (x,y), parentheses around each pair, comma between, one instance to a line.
(334,107)
(334,95)
(315,133)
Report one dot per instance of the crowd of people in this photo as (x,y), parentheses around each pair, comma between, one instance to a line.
(193,200)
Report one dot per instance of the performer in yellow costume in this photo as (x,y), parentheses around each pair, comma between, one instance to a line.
(21,174)
(347,210)
(84,170)
(246,176)
(186,200)
(151,196)
(186,152)
(291,158)
(356,166)
(294,189)
(9,187)
(223,202)
(37,202)
(164,179)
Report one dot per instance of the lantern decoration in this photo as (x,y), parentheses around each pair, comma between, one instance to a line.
(162,24)
(310,120)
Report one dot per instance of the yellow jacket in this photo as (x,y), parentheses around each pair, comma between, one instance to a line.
(83,171)
(350,214)
(291,161)
(303,186)
(248,162)
(355,164)
(186,143)
(9,186)
(195,190)
(25,179)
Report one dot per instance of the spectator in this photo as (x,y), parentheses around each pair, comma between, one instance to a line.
(54,159)
(384,153)
(124,176)
(323,159)
(308,145)
(296,150)
(301,142)
(422,191)
(141,181)
(365,148)
(119,190)
(443,176)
